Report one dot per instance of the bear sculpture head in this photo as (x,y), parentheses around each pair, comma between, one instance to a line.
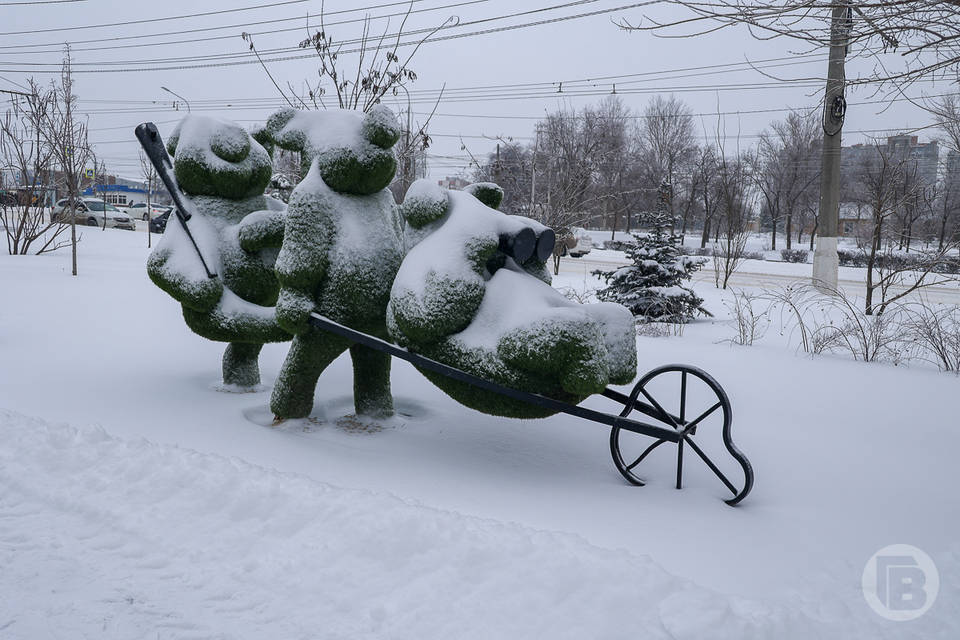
(215,157)
(352,150)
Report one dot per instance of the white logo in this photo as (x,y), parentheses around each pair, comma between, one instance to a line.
(900,582)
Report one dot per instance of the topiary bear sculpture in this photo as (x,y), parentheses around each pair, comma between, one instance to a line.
(341,250)
(473,292)
(225,171)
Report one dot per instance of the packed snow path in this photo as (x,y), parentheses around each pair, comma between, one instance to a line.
(129,539)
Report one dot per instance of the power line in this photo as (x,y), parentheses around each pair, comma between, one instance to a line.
(140,44)
(182,67)
(347,42)
(13,4)
(162,19)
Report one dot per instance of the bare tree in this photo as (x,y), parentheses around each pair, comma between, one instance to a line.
(359,77)
(68,138)
(736,215)
(786,170)
(706,168)
(946,113)
(881,187)
(924,32)
(667,133)
(150,177)
(26,160)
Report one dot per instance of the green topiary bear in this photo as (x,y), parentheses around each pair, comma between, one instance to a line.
(341,250)
(224,171)
(473,292)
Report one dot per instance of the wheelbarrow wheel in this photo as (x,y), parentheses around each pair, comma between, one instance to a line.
(658,401)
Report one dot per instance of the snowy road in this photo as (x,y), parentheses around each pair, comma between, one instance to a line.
(763,274)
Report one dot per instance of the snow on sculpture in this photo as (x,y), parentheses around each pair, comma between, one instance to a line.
(224,171)
(473,292)
(340,253)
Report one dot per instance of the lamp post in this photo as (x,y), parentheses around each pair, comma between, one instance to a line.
(178,96)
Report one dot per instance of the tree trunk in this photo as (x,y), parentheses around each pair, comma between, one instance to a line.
(789,228)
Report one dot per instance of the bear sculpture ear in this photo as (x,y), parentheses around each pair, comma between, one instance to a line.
(262,136)
(488,193)
(380,127)
(424,202)
(231,143)
(278,121)
(173,139)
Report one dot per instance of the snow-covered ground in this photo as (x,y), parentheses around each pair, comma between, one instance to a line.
(139,500)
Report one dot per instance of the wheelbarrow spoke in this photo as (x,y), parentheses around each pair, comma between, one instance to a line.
(713,467)
(693,423)
(683,396)
(663,413)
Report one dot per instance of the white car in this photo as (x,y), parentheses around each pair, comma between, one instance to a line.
(91,212)
(139,210)
(582,242)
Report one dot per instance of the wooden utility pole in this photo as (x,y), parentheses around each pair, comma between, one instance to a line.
(825,260)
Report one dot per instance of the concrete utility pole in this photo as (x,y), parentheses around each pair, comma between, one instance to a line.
(825,260)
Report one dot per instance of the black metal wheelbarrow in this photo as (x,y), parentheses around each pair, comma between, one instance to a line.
(674,428)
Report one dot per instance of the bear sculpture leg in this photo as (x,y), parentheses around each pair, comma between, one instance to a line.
(310,353)
(240,364)
(371,382)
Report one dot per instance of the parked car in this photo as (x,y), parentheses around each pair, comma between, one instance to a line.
(91,212)
(159,224)
(8,199)
(579,243)
(139,210)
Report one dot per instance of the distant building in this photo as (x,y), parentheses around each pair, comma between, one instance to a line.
(925,155)
(453,182)
(123,195)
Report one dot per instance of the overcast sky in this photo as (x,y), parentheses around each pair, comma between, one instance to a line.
(477,106)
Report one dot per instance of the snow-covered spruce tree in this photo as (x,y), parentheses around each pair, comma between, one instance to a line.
(651,287)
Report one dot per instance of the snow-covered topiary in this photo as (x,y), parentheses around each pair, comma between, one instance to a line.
(488,193)
(224,171)
(341,250)
(473,292)
(651,287)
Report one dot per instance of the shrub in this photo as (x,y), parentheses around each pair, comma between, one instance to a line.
(794,255)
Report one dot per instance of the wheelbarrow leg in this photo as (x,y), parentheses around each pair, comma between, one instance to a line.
(680,464)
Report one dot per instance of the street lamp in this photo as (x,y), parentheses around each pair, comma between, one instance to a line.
(179,96)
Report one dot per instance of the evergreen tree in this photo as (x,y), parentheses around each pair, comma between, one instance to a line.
(651,287)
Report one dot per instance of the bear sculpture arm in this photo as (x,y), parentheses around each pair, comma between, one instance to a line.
(262,230)
(175,267)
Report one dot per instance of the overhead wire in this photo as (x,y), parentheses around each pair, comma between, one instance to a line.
(437,38)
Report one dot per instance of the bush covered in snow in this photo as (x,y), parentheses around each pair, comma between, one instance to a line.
(238,228)
(340,253)
(473,292)
(794,255)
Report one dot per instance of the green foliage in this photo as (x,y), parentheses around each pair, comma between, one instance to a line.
(419,212)
(449,304)
(556,355)
(225,172)
(340,253)
(240,364)
(488,193)
(346,172)
(234,183)
(199,295)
